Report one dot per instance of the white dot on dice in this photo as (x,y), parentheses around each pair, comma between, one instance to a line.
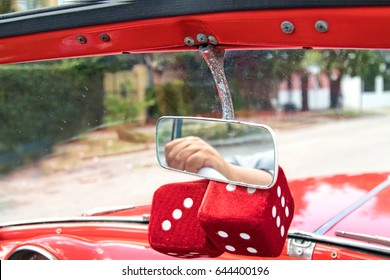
(166,225)
(188,202)
(287,211)
(222,234)
(282,201)
(230,187)
(274,212)
(282,231)
(245,236)
(230,248)
(279,190)
(278,221)
(251,250)
(177,214)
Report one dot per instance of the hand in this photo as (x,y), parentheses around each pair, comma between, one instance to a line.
(192,153)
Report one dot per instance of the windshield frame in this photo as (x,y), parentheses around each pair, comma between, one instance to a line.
(360,27)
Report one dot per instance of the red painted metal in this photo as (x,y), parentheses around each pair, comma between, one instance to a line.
(335,194)
(326,252)
(348,28)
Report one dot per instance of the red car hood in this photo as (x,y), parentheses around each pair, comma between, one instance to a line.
(358,204)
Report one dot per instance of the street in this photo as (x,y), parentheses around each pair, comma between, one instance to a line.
(332,147)
(344,147)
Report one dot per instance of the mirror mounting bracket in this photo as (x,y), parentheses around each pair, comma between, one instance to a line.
(215,60)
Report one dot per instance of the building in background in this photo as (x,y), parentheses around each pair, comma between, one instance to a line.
(25,5)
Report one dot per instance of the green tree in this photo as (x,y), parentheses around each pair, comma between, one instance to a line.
(42,104)
(338,63)
(258,73)
(6,6)
(191,77)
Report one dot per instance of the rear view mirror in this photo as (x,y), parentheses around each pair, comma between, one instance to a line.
(230,151)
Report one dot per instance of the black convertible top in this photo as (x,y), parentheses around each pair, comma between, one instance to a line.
(88,13)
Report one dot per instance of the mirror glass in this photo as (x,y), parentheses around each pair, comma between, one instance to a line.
(235,152)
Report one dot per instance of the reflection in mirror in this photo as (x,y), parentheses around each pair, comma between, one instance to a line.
(223,150)
(12,6)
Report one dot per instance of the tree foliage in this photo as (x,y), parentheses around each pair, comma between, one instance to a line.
(257,74)
(5,6)
(350,62)
(340,62)
(42,105)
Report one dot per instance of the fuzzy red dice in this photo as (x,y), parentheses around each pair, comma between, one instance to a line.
(174,227)
(248,221)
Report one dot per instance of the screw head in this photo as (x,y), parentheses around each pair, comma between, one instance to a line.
(82,39)
(104,37)
(201,38)
(321,26)
(189,41)
(287,27)
(213,40)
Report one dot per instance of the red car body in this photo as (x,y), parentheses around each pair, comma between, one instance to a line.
(323,206)
(126,235)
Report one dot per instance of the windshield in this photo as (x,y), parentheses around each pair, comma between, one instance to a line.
(77,134)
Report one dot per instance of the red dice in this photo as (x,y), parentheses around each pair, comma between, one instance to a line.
(174,227)
(248,221)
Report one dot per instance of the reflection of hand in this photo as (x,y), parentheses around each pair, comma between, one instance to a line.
(192,153)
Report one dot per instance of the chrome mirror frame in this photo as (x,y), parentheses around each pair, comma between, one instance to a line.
(265,127)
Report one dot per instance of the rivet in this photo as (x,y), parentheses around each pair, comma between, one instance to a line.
(58,231)
(82,39)
(213,40)
(104,37)
(201,38)
(333,255)
(189,41)
(287,27)
(321,26)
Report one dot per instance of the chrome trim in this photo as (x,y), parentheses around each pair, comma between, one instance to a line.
(300,248)
(370,248)
(264,126)
(107,210)
(33,249)
(106,219)
(365,237)
(146,217)
(333,221)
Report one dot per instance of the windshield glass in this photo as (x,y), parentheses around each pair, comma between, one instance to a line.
(19,6)
(77,134)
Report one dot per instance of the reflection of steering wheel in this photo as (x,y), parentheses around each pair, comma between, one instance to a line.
(211,173)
